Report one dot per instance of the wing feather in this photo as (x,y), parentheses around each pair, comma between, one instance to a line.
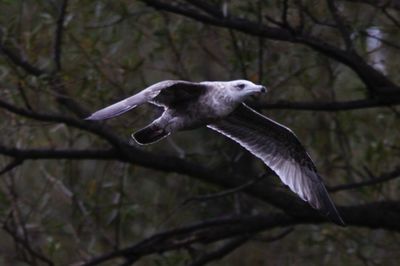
(164,93)
(279,149)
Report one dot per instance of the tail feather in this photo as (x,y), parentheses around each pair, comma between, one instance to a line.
(149,134)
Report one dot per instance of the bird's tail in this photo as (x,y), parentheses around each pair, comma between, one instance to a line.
(150,134)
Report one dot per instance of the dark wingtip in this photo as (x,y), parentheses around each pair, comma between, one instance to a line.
(326,206)
(334,215)
(336,218)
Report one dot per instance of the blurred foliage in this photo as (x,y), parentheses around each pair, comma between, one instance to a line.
(75,209)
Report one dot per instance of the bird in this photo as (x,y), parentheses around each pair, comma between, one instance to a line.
(219,105)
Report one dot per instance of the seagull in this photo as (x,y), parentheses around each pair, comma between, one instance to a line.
(219,106)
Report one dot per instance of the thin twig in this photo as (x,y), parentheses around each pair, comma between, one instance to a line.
(203,232)
(14,163)
(225,192)
(270,239)
(19,61)
(340,25)
(238,54)
(384,41)
(24,97)
(378,180)
(391,17)
(260,46)
(59,35)
(220,252)
(26,245)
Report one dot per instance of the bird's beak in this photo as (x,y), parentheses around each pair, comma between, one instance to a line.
(263,89)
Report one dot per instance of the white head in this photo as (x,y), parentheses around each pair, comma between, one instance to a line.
(241,89)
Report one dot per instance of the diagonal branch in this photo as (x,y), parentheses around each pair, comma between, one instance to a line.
(378,180)
(220,252)
(14,163)
(391,17)
(19,61)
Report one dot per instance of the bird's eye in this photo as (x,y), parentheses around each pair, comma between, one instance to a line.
(240,86)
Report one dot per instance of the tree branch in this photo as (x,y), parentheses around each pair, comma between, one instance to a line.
(203,232)
(372,215)
(19,61)
(340,25)
(223,193)
(327,106)
(23,242)
(59,35)
(373,79)
(395,4)
(220,252)
(55,154)
(378,180)
(14,163)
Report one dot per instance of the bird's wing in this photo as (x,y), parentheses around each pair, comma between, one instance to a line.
(279,149)
(164,93)
(177,92)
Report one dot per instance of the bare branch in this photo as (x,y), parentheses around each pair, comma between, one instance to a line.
(59,35)
(279,236)
(26,245)
(260,47)
(207,7)
(391,17)
(377,180)
(19,61)
(310,15)
(203,232)
(23,95)
(225,192)
(284,15)
(14,163)
(220,252)
(384,41)
(55,154)
(340,25)
(327,106)
(56,118)
(395,4)
(238,54)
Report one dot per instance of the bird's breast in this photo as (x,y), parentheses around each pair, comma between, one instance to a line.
(216,106)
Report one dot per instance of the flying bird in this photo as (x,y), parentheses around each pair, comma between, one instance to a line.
(219,106)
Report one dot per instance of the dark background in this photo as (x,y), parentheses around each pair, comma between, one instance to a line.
(75,192)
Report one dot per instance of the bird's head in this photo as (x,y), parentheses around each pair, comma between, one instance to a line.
(242,89)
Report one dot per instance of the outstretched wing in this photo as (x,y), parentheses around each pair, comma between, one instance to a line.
(164,93)
(279,149)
